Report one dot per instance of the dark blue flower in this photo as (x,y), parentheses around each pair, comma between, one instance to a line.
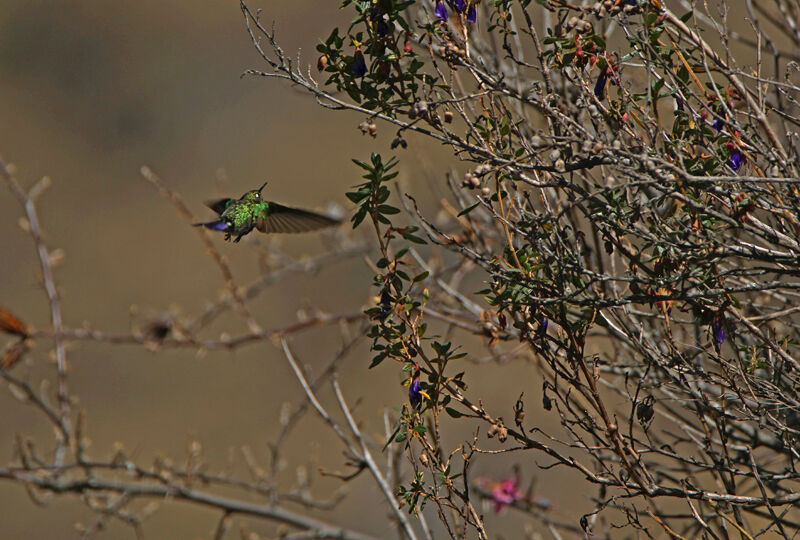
(359,66)
(543,325)
(383,28)
(472,14)
(736,159)
(385,303)
(717,124)
(461,5)
(718,329)
(600,85)
(414,392)
(441,11)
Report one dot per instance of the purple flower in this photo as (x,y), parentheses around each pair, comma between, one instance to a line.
(543,325)
(440,11)
(461,5)
(736,159)
(717,124)
(719,330)
(383,28)
(414,392)
(600,85)
(472,14)
(359,66)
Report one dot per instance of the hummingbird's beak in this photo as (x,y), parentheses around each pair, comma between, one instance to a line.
(262,187)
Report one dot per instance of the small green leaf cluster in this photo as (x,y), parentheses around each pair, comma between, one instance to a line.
(374,61)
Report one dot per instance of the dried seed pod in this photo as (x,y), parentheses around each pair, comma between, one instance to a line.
(482,169)
(498,429)
(11,324)
(157,330)
(14,354)
(502,434)
(519,411)
(645,411)
(471,181)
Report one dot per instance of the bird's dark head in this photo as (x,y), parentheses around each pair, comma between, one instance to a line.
(254,194)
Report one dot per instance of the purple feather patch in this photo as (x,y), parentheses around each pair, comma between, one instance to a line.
(218,225)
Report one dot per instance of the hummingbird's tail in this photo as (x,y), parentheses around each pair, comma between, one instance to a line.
(218,225)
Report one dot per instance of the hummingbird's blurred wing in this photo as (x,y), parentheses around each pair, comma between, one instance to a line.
(284,219)
(219,205)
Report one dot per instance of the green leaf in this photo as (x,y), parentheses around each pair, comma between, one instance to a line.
(421,277)
(452,412)
(387,209)
(357,196)
(359,217)
(468,209)
(377,360)
(413,238)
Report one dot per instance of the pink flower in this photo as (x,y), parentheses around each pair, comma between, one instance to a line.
(505,492)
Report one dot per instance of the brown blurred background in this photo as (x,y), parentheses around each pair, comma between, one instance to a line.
(90,92)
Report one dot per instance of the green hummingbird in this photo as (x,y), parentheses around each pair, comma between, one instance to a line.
(237,217)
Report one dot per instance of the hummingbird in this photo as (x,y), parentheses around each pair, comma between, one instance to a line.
(237,217)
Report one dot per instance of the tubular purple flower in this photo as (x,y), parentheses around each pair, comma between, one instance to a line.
(461,5)
(736,159)
(383,28)
(385,303)
(441,11)
(717,124)
(719,330)
(472,14)
(414,392)
(359,66)
(600,85)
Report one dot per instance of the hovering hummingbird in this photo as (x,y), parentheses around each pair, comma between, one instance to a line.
(237,217)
